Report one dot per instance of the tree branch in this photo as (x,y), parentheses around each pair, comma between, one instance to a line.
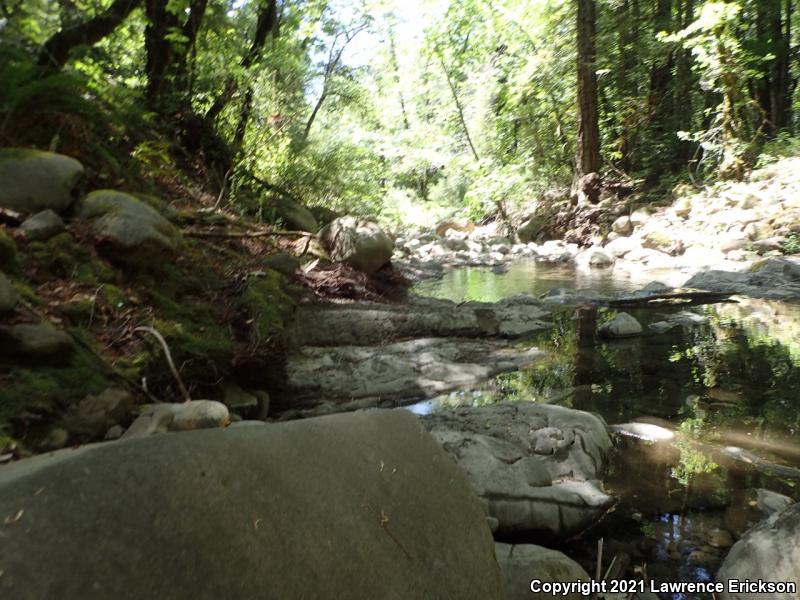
(55,52)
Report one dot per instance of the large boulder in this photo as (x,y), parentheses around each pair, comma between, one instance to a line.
(35,342)
(128,230)
(297,215)
(769,552)
(32,181)
(359,506)
(524,563)
(535,467)
(357,242)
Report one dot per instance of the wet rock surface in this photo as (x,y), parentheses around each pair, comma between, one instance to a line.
(536,468)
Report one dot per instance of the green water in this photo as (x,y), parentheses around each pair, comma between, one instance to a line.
(733,380)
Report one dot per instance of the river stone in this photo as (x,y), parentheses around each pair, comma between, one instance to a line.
(522,563)
(357,242)
(622,325)
(535,467)
(621,246)
(297,216)
(42,226)
(622,226)
(35,342)
(94,415)
(8,295)
(770,552)
(282,262)
(32,181)
(639,217)
(359,506)
(750,506)
(198,414)
(128,229)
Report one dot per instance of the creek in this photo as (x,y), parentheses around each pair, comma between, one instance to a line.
(722,390)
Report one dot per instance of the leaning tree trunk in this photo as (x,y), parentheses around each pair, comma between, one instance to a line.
(55,52)
(588,155)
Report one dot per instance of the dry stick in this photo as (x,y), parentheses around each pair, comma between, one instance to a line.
(170,363)
(599,569)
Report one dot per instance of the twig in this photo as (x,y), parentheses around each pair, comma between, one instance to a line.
(152,331)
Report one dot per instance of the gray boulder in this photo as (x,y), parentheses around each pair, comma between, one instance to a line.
(94,415)
(129,230)
(535,467)
(775,278)
(769,552)
(35,342)
(622,325)
(522,563)
(32,181)
(8,295)
(297,216)
(42,226)
(282,262)
(622,226)
(357,242)
(359,506)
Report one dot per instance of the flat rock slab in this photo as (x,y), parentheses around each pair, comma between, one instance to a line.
(535,467)
(413,369)
(363,505)
(773,278)
(363,323)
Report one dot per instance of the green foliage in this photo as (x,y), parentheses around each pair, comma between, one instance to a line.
(791,244)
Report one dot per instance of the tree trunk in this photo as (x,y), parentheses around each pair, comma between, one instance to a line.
(159,50)
(266,25)
(773,89)
(684,85)
(588,156)
(55,52)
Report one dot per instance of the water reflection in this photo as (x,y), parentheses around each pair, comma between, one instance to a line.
(726,382)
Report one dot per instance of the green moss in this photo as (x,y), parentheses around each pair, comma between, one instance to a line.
(114,296)
(8,252)
(26,292)
(49,389)
(62,256)
(268,305)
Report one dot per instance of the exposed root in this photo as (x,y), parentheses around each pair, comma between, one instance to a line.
(152,331)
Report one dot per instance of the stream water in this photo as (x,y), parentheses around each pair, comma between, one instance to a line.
(727,383)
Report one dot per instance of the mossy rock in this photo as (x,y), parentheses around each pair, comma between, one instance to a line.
(268,305)
(8,252)
(62,256)
(48,390)
(32,181)
(128,230)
